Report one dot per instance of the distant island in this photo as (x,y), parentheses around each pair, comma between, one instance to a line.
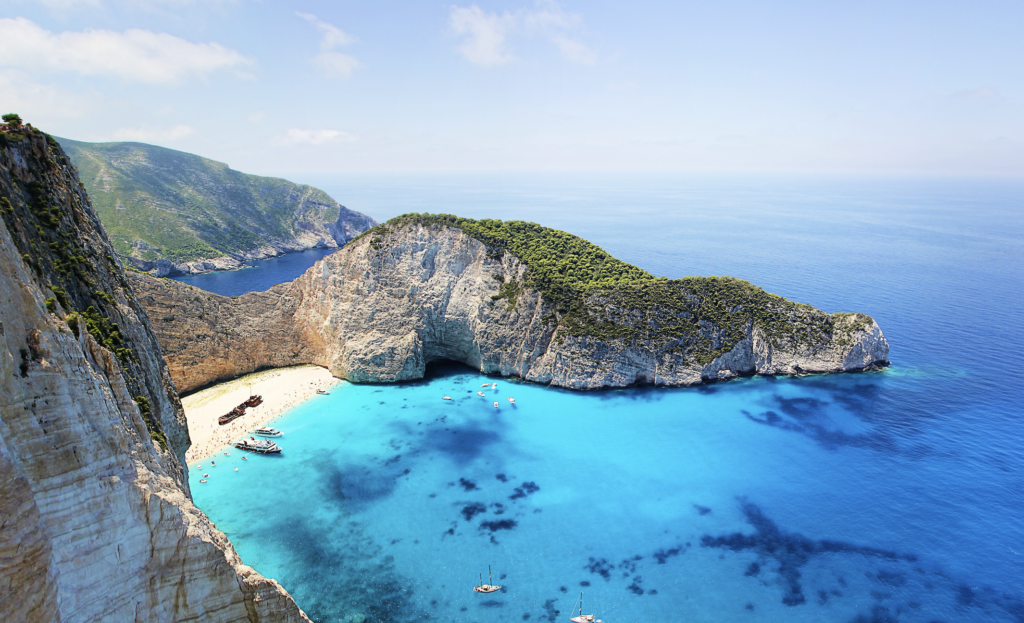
(169,212)
(503,297)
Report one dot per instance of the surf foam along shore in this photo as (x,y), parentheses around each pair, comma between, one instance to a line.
(281,389)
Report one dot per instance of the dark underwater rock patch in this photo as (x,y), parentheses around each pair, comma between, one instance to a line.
(662,555)
(790,550)
(500,524)
(472,510)
(629,564)
(601,567)
(524,490)
(550,611)
(468,485)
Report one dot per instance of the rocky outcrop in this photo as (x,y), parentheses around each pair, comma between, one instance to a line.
(398,298)
(210,216)
(97,520)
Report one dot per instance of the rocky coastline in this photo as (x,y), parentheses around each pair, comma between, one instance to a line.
(417,290)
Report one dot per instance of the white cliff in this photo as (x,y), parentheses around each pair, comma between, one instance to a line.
(97,518)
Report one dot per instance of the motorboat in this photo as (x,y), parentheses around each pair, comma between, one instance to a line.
(494,386)
(489,587)
(495,404)
(266,431)
(480,394)
(486,385)
(446,397)
(260,446)
(512,400)
(323,392)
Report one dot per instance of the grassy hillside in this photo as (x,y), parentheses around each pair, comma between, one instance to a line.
(596,295)
(160,203)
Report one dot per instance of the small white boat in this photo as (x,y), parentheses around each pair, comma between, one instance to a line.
(489,587)
(446,397)
(494,386)
(480,394)
(582,618)
(322,392)
(486,385)
(261,446)
(495,404)
(266,431)
(202,481)
(512,400)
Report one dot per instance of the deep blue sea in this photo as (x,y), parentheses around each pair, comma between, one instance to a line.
(888,496)
(256,276)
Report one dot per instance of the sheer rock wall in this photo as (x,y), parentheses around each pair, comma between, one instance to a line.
(97,519)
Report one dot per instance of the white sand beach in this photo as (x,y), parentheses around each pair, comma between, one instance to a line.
(281,388)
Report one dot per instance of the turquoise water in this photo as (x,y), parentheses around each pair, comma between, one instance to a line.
(889,496)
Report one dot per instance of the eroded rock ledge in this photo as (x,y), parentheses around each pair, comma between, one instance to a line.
(97,519)
(422,288)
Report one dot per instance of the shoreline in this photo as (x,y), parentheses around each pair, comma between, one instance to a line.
(281,388)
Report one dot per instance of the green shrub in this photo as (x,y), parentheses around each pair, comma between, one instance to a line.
(72,320)
(596,295)
(51,305)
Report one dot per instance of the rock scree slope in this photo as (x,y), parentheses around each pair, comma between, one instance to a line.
(172,212)
(97,518)
(508,298)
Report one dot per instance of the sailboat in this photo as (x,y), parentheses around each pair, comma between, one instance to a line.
(486,588)
(582,618)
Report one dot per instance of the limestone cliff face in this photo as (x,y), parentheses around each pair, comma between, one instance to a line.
(383,307)
(98,524)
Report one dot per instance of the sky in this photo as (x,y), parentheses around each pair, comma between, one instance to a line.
(322,87)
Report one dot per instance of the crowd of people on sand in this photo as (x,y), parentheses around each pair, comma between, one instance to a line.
(281,391)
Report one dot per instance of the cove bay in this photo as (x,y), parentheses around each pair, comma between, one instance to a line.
(890,495)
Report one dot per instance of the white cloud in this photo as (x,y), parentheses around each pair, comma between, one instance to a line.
(297,136)
(43,104)
(487,34)
(331,63)
(137,55)
(336,64)
(153,134)
(64,5)
(981,93)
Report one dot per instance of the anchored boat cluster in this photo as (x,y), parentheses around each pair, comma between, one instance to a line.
(490,587)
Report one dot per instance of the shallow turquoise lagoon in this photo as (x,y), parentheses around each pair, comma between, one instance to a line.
(894,496)
(737,501)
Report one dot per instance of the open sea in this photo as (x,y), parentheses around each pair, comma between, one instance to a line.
(888,496)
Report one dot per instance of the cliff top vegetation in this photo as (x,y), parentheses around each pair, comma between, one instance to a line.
(593,294)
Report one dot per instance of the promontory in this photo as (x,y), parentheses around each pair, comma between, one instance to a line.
(504,297)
